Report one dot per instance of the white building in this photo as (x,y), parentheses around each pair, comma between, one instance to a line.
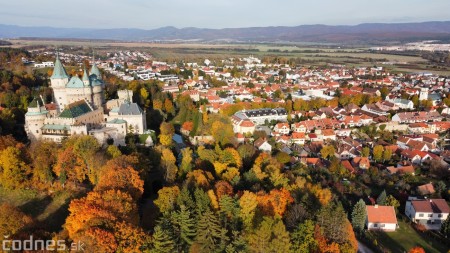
(263,115)
(381,218)
(78,109)
(429,212)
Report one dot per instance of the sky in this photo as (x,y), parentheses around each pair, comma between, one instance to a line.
(150,14)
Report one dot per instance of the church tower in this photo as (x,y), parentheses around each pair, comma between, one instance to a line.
(58,80)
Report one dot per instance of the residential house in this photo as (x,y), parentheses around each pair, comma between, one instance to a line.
(381,218)
(431,213)
(426,189)
(263,145)
(361,162)
(409,169)
(282,128)
(298,138)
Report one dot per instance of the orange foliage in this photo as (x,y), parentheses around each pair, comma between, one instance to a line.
(122,178)
(223,188)
(323,246)
(200,178)
(274,203)
(188,126)
(68,162)
(416,249)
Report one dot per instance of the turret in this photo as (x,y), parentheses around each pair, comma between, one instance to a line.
(35,118)
(95,71)
(86,78)
(58,80)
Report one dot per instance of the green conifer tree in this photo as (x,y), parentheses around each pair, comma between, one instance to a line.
(381,200)
(184,228)
(359,216)
(209,232)
(162,241)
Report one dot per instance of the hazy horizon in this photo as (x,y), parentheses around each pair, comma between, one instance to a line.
(147,15)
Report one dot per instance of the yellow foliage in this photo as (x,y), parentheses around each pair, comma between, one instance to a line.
(212,196)
(230,174)
(219,167)
(165,139)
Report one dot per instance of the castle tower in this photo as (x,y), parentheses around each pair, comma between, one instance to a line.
(35,118)
(423,94)
(86,80)
(58,80)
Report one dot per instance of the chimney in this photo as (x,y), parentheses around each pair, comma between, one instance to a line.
(376,206)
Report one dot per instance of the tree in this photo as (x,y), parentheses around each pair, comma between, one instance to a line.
(283,157)
(445,227)
(327,151)
(222,132)
(359,216)
(43,155)
(168,165)
(248,203)
(12,220)
(378,153)
(14,170)
(270,236)
(113,151)
(365,152)
(302,239)
(392,201)
(387,154)
(209,233)
(167,197)
(416,249)
(186,161)
(121,178)
(381,200)
(167,130)
(184,228)
(162,241)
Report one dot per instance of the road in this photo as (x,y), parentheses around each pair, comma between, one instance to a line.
(363,248)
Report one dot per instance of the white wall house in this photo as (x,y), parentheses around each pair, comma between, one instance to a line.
(429,212)
(381,218)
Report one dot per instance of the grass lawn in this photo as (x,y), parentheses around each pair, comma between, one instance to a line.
(405,238)
(50,211)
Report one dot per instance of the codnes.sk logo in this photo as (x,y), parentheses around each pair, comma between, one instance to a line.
(31,244)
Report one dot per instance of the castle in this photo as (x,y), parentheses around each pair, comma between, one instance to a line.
(79,108)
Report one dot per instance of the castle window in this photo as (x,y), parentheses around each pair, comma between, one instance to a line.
(37,131)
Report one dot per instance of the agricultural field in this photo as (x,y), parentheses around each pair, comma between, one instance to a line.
(301,53)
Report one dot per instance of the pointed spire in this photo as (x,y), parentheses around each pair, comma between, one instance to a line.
(94,69)
(85,77)
(59,71)
(128,101)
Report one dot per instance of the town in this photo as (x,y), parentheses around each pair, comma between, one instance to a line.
(255,137)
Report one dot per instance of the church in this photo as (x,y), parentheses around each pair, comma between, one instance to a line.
(79,108)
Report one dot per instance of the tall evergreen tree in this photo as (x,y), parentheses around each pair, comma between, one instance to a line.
(184,228)
(237,243)
(162,241)
(381,200)
(302,239)
(209,232)
(359,216)
(445,228)
(270,236)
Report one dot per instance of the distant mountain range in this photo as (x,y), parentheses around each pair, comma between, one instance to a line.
(373,33)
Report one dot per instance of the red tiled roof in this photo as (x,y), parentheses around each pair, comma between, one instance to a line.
(431,206)
(381,214)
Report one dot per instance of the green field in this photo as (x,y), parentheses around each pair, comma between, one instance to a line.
(49,210)
(306,55)
(405,238)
